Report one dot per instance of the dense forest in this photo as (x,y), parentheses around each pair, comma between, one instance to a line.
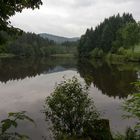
(15,42)
(69,111)
(115,35)
(30,44)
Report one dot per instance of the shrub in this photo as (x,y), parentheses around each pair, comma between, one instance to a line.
(69,108)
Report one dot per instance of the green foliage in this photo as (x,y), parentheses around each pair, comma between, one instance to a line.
(8,8)
(4,37)
(123,55)
(97,53)
(86,43)
(129,35)
(132,106)
(121,51)
(12,121)
(58,49)
(130,134)
(114,37)
(30,44)
(69,108)
(104,35)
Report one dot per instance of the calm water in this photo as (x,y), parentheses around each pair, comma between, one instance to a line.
(25,83)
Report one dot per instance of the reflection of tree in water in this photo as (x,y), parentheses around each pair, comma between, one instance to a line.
(14,69)
(112,80)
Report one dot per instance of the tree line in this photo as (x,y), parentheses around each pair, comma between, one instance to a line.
(14,41)
(27,44)
(31,44)
(109,36)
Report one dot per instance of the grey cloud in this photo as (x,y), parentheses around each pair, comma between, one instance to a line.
(70,4)
(71,18)
(84,3)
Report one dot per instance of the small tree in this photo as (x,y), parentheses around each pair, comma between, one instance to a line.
(69,108)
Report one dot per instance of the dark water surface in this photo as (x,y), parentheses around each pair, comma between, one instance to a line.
(25,83)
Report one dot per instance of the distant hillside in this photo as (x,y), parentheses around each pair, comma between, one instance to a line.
(58,39)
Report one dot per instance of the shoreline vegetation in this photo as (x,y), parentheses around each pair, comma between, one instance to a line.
(69,107)
(125,55)
(32,45)
(115,39)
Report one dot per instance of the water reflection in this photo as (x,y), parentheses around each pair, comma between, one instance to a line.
(39,77)
(14,69)
(114,80)
(29,95)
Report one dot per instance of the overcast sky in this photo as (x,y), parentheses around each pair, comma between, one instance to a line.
(71,18)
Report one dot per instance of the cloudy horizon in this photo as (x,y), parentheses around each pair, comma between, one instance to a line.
(72,18)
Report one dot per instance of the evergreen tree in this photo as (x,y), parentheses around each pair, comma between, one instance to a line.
(104,35)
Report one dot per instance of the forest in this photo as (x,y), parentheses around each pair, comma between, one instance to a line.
(31,44)
(70,108)
(117,37)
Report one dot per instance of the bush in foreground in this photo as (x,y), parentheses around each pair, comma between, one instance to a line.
(70,109)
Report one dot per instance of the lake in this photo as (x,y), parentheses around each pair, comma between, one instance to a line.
(25,83)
